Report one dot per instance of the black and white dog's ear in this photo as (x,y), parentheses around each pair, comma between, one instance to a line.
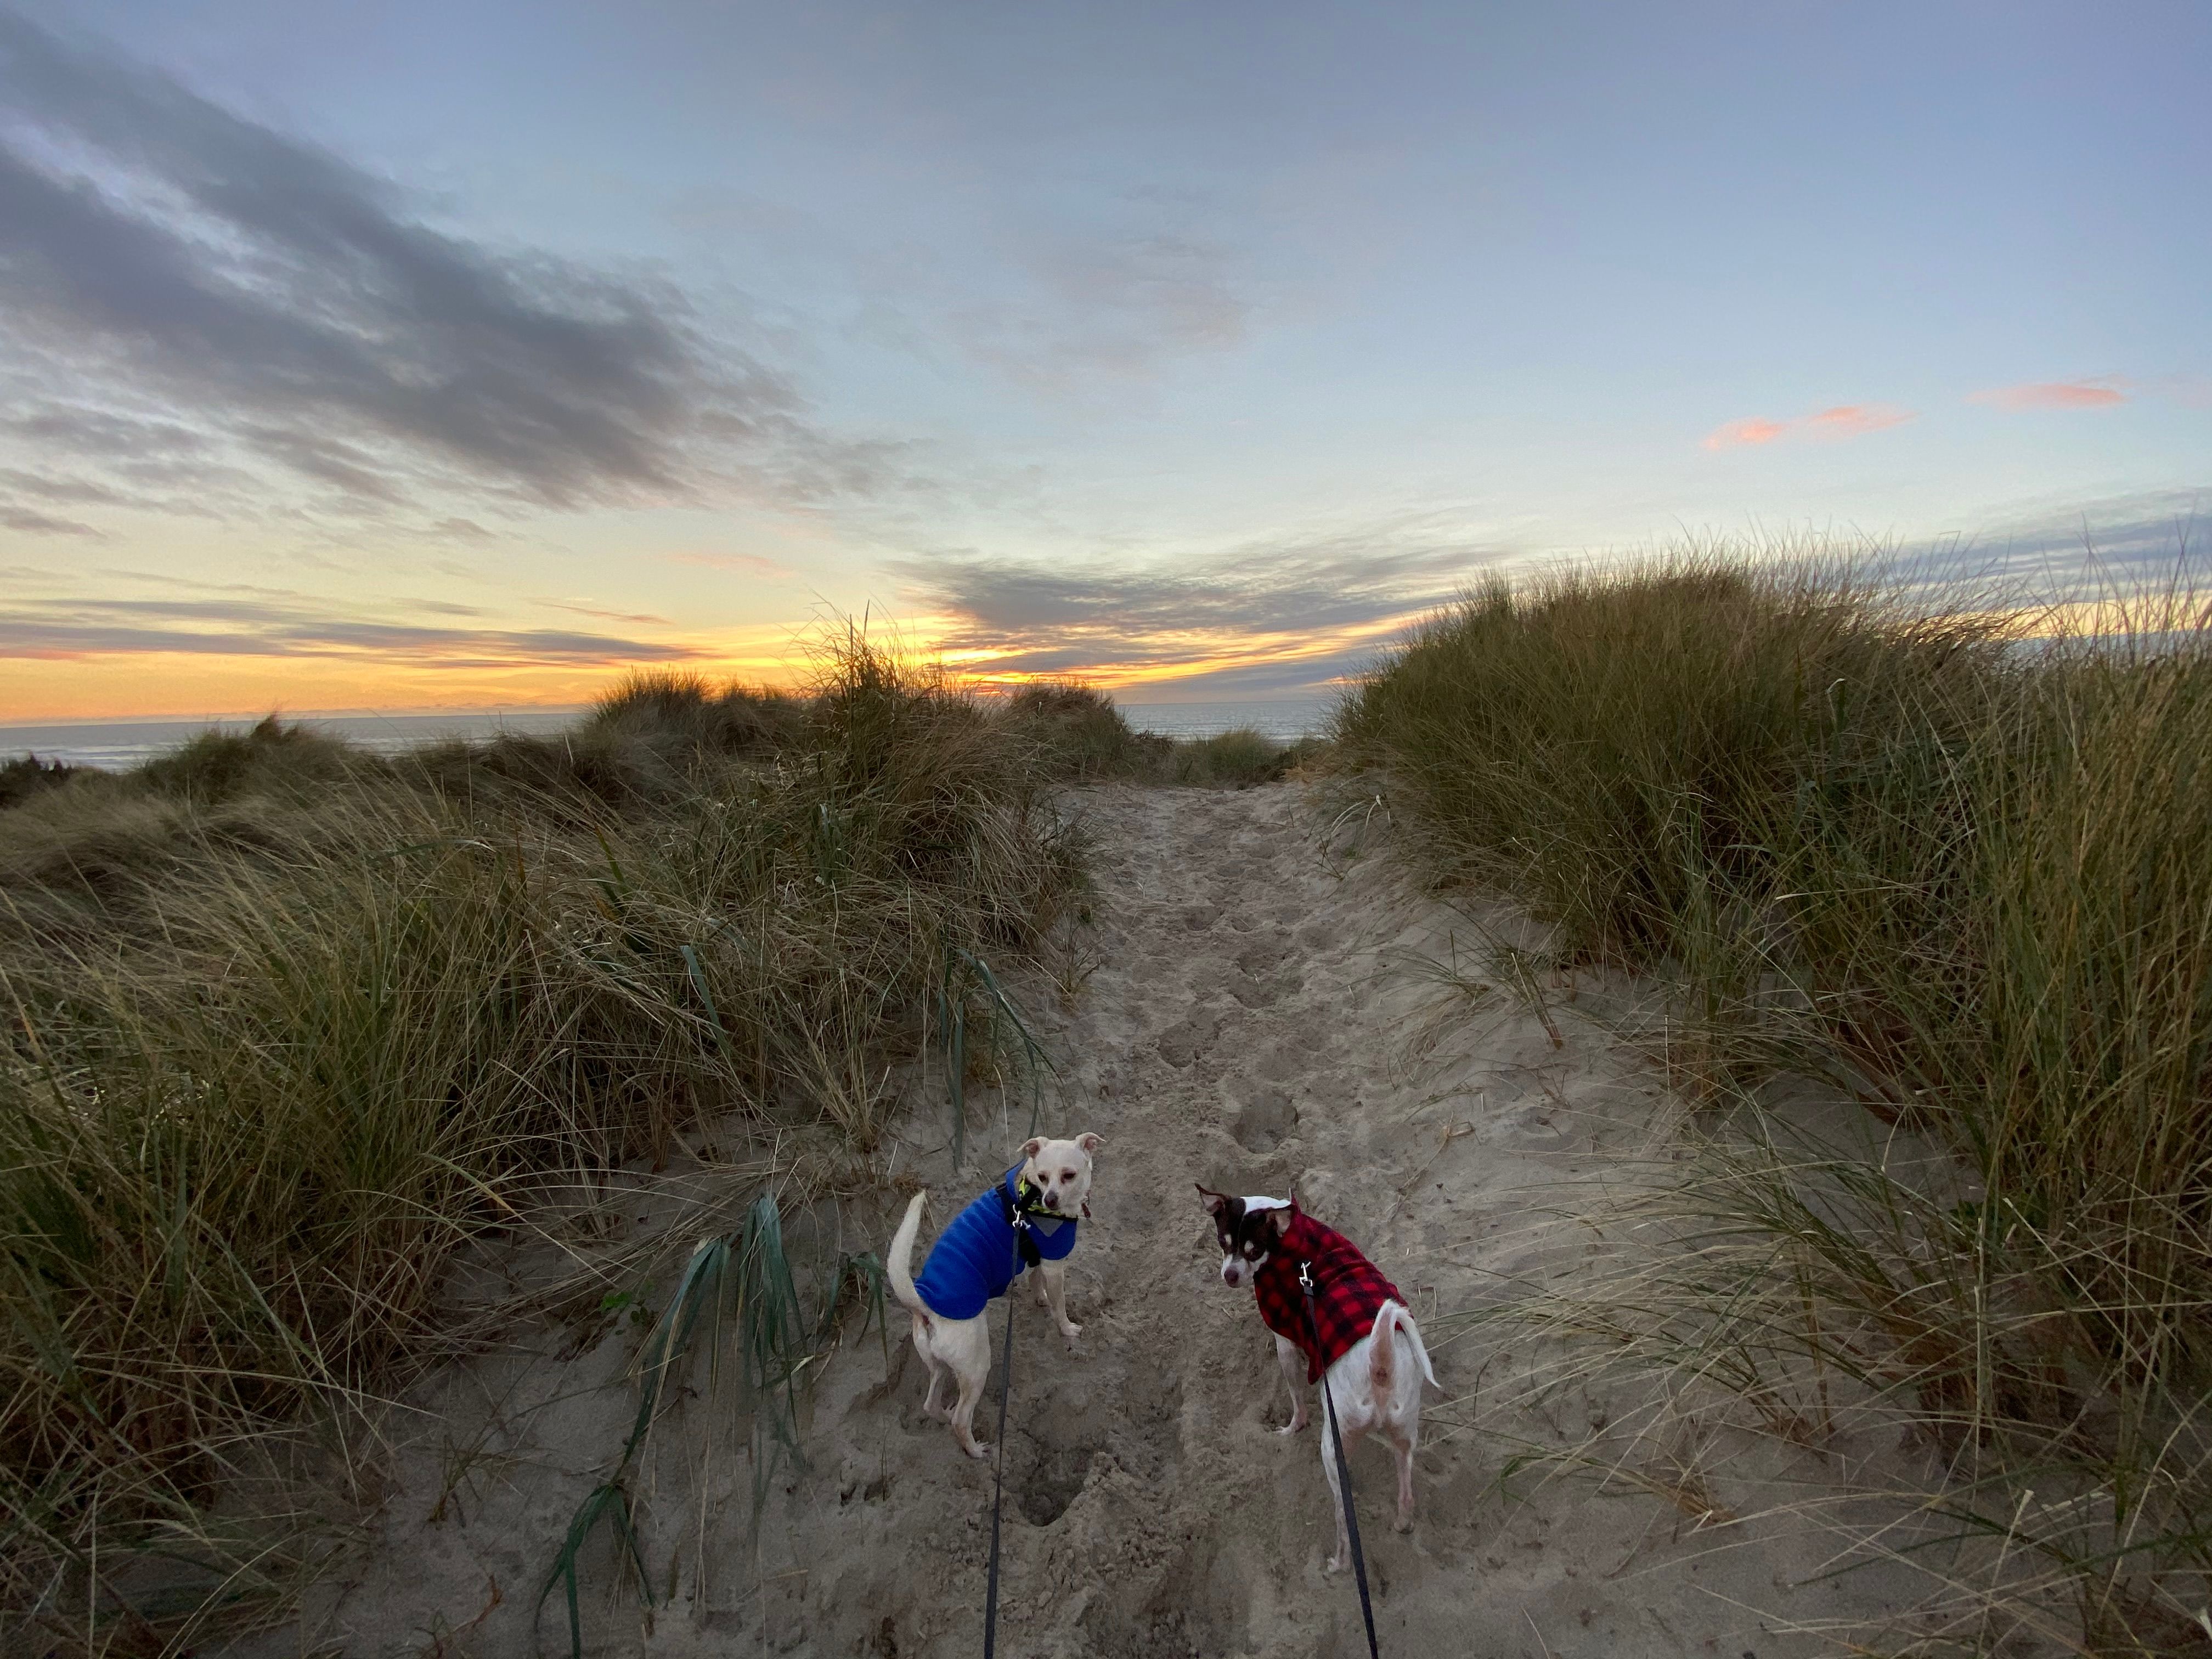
(1277,1221)
(1215,1202)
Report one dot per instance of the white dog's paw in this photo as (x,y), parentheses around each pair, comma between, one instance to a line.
(978,1451)
(1336,1564)
(1403,1523)
(1068,1334)
(1292,1427)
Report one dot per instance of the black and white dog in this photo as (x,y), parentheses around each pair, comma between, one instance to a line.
(1352,1332)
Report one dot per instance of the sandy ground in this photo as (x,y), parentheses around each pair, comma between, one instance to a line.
(1258,1015)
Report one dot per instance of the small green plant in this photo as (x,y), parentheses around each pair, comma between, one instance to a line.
(969,997)
(744,1280)
(635,1304)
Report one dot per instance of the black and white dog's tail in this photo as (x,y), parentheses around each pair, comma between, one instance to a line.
(1382,1350)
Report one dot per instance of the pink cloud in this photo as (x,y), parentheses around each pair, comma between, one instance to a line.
(2101,393)
(1843,421)
(1852,420)
(1736,433)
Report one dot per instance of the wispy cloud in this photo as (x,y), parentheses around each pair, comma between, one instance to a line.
(1098,310)
(1854,420)
(74,628)
(183,290)
(2102,392)
(2150,537)
(1738,433)
(646,617)
(1843,421)
(1265,616)
(30,522)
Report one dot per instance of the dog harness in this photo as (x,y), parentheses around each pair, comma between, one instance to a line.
(1349,1291)
(976,1257)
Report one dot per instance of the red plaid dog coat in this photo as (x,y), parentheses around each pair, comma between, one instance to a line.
(1348,1291)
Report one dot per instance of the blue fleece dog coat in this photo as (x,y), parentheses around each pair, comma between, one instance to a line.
(976,1257)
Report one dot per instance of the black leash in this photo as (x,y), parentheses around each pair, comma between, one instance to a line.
(1025,1254)
(1343,1471)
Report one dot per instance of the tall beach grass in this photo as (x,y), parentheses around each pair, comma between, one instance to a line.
(287,1024)
(1955,865)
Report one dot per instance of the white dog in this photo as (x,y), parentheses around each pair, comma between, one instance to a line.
(1354,1333)
(979,1257)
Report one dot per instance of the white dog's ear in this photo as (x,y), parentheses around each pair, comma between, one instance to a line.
(1032,1146)
(1089,1142)
(1214,1202)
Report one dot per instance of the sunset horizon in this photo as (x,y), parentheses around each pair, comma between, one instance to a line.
(415,359)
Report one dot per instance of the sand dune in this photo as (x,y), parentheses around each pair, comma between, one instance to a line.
(1259,1016)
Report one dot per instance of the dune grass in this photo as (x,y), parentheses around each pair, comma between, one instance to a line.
(287,1024)
(1083,737)
(1958,866)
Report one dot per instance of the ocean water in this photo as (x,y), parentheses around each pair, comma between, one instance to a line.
(1282,719)
(117,745)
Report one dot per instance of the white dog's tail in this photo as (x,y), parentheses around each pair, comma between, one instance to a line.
(1382,1351)
(898,1260)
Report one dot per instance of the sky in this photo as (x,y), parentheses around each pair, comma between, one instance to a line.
(469,355)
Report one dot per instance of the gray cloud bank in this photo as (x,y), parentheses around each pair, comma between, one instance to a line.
(1310,609)
(182,290)
(2041,553)
(2126,541)
(273,624)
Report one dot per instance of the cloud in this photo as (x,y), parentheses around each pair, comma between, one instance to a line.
(1736,433)
(1843,421)
(1109,309)
(2101,393)
(31,523)
(181,284)
(644,616)
(83,492)
(2059,550)
(297,627)
(1265,616)
(1854,420)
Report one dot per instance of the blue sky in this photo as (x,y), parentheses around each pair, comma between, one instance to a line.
(405,355)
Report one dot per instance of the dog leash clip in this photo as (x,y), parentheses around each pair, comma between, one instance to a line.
(1305,1277)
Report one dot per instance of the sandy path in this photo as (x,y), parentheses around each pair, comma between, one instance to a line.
(1255,1017)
